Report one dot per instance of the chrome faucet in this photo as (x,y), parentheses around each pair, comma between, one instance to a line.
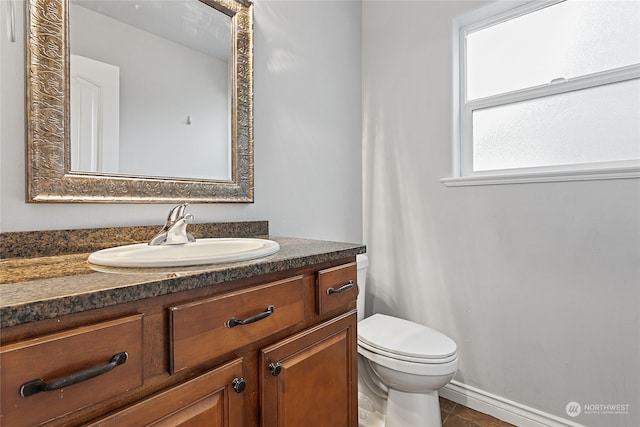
(175,231)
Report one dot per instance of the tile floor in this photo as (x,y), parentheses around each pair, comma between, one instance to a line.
(456,415)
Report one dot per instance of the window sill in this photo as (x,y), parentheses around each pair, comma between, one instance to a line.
(532,177)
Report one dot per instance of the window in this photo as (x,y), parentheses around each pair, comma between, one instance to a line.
(550,89)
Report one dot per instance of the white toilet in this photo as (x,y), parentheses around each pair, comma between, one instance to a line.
(401,366)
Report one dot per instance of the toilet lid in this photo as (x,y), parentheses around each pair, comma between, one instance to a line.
(404,338)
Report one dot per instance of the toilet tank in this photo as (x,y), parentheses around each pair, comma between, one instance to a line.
(362,262)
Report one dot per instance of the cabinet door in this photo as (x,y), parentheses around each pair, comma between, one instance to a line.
(213,399)
(310,379)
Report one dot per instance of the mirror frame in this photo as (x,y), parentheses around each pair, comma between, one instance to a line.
(48,160)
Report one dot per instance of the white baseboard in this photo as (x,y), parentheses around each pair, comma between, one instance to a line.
(501,408)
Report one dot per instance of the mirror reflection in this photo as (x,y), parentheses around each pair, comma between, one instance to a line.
(150,89)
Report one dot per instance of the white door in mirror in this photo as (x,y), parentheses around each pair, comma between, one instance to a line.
(95,115)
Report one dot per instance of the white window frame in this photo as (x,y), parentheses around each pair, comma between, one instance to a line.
(463,173)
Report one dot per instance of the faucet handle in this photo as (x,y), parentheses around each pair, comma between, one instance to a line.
(178,234)
(176,213)
(174,231)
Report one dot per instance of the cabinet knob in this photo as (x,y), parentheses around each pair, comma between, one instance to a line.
(239,384)
(275,368)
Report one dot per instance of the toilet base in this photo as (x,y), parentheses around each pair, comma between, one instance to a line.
(412,409)
(369,415)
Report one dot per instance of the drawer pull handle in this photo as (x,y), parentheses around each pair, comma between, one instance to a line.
(36,386)
(346,287)
(234,321)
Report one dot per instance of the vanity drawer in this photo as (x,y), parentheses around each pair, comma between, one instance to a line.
(82,367)
(337,286)
(208,328)
(205,400)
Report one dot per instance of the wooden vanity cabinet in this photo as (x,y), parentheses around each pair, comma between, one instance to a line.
(270,351)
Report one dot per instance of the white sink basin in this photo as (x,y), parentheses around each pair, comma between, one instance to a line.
(202,251)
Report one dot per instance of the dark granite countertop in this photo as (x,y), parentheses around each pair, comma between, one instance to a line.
(46,287)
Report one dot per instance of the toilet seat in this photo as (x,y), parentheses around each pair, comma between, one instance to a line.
(404,340)
(416,360)
(414,368)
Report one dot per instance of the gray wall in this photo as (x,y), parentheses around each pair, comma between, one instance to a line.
(537,283)
(308,177)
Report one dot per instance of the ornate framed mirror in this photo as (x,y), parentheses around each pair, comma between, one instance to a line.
(53,171)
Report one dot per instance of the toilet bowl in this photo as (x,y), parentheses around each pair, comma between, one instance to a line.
(401,366)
